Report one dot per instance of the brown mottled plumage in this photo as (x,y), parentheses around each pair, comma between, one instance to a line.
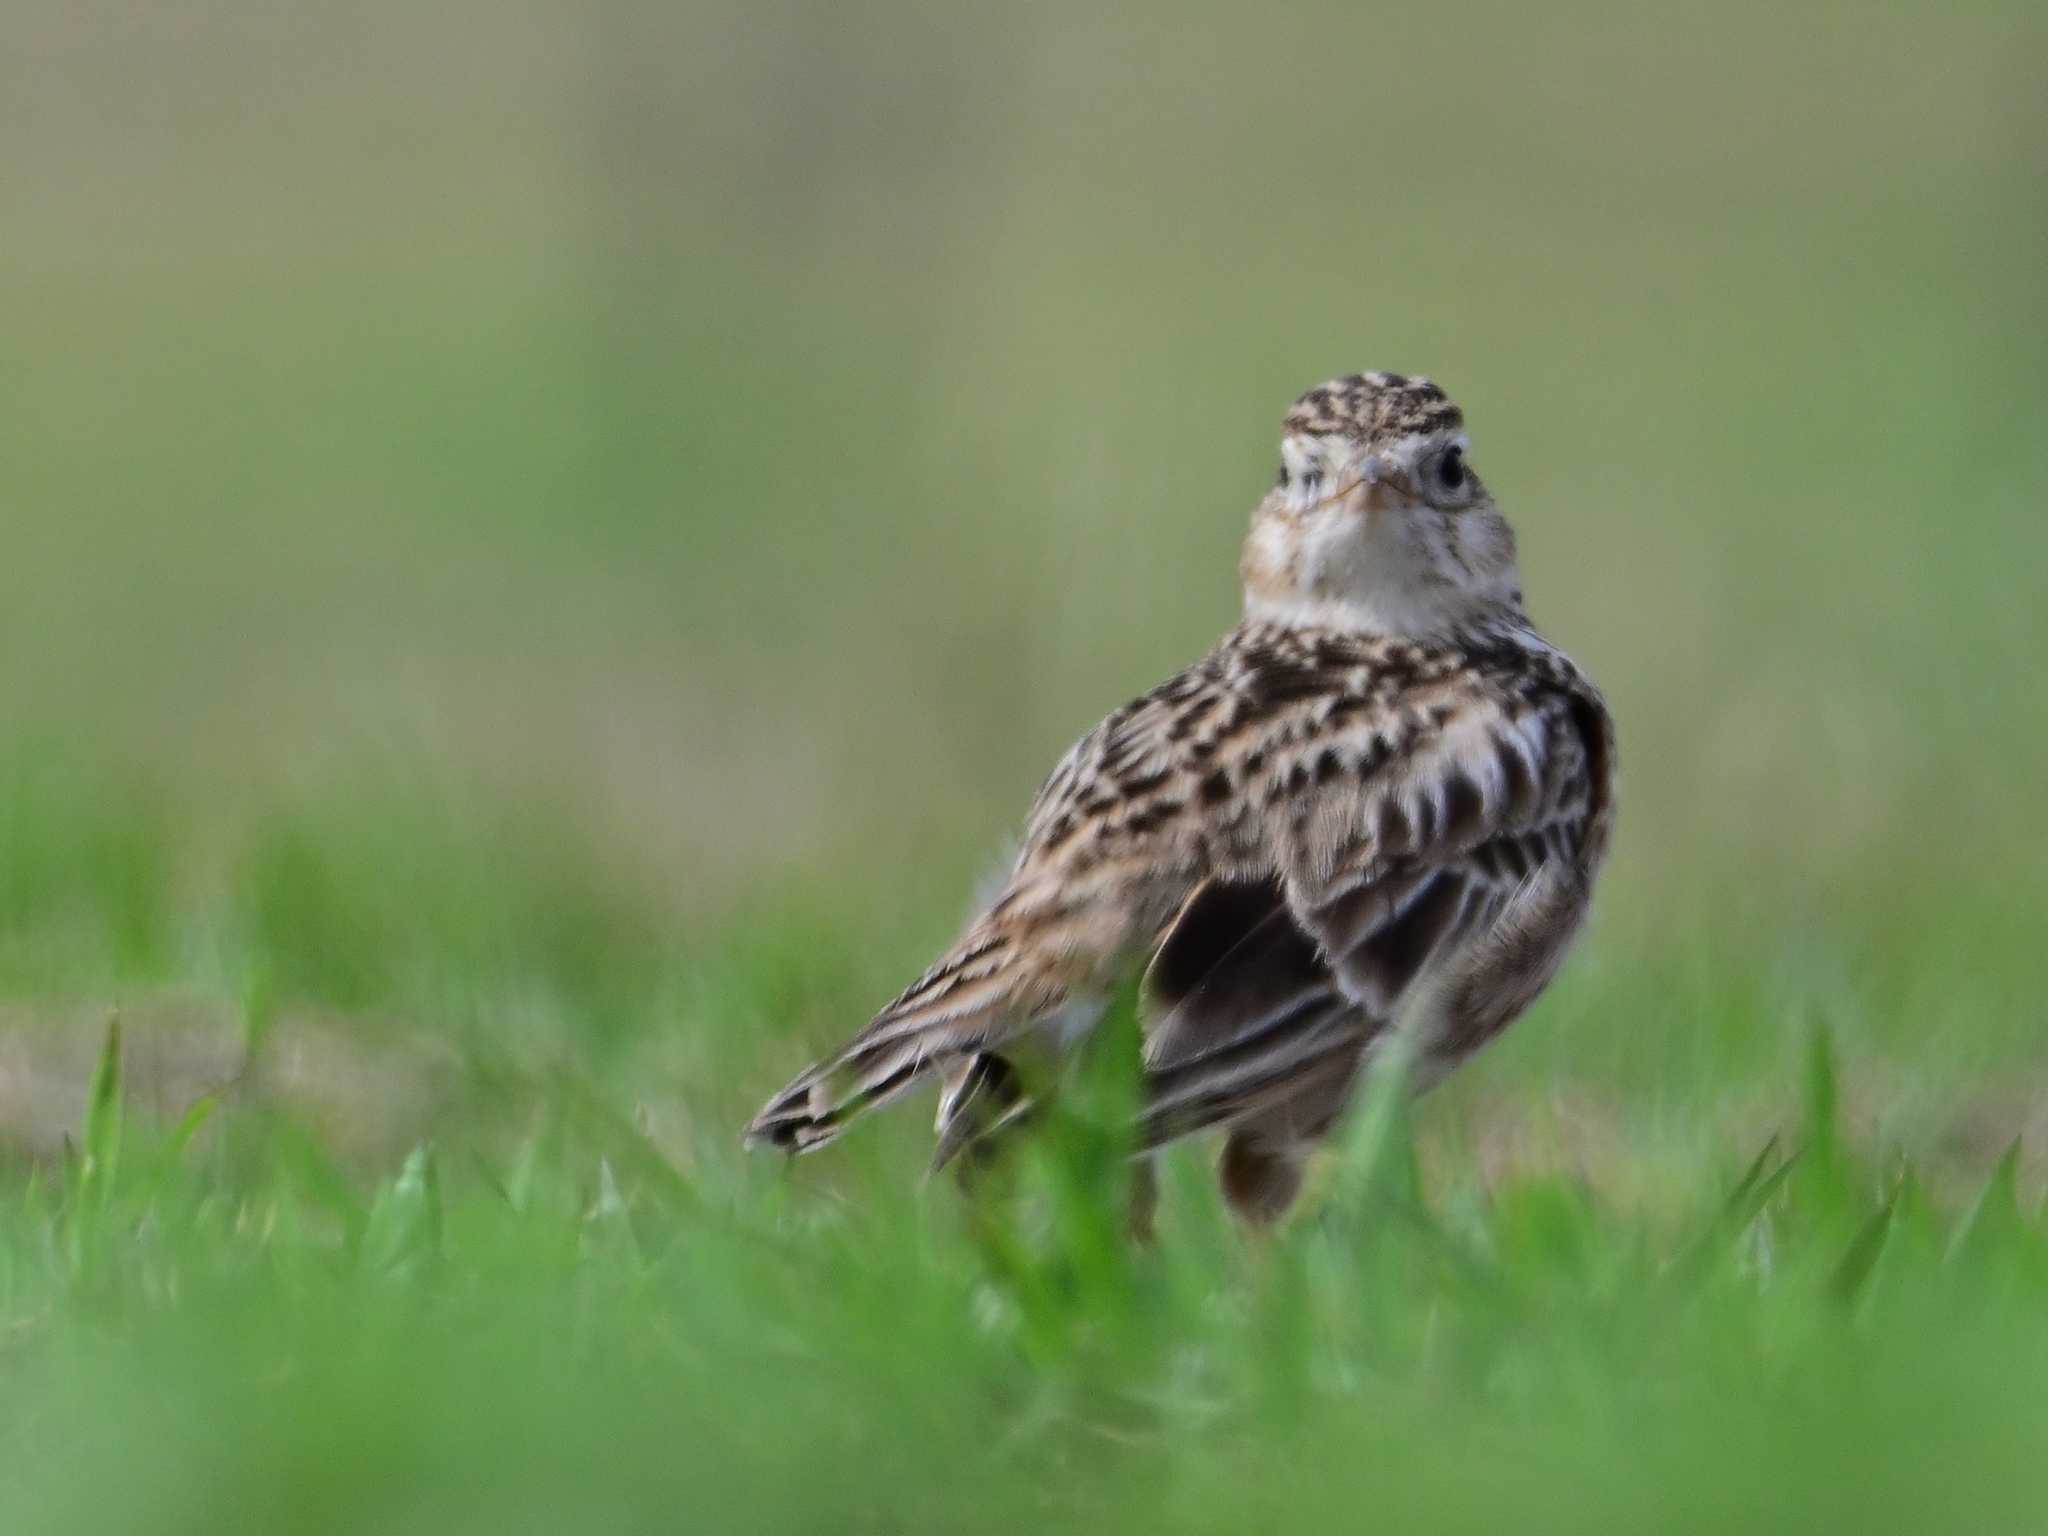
(1380,802)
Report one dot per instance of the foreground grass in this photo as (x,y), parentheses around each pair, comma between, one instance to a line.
(209,1324)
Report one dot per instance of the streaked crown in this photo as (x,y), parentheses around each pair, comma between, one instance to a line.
(1372,408)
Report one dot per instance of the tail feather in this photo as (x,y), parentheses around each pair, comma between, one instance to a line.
(819,1102)
(983,1095)
(946,1013)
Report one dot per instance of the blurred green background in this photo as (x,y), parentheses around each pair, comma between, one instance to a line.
(544,539)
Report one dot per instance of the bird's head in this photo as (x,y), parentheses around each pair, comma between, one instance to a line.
(1377,522)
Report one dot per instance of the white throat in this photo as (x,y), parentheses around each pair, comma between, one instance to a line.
(1375,579)
(1369,613)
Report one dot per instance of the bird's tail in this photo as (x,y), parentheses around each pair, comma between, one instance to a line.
(937,1023)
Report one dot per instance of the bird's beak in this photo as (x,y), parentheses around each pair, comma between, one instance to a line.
(1374,471)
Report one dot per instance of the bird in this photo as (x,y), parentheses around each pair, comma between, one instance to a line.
(1375,811)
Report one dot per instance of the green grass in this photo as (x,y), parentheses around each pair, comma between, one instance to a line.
(602,1328)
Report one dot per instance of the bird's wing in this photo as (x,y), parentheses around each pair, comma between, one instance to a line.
(1270,989)
(1246,1011)
(1396,871)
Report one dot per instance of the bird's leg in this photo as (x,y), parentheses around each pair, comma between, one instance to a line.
(1260,1179)
(1141,1214)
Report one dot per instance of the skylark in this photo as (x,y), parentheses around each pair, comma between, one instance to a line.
(1378,805)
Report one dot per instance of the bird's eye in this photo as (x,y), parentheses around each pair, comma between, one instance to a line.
(1450,469)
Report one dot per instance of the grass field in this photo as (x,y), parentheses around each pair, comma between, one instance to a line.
(543,549)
